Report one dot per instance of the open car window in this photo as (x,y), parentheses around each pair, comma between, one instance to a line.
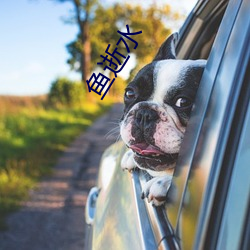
(196,41)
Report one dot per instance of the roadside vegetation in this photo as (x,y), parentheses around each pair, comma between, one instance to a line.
(34,131)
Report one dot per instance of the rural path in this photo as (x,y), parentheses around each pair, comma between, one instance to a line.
(53,218)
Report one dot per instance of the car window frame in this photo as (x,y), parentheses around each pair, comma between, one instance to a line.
(196,25)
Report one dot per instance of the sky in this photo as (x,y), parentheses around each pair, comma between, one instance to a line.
(33,40)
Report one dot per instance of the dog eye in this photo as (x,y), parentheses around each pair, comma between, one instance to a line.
(130,94)
(182,102)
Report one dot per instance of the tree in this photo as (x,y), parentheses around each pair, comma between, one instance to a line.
(98,27)
(83,15)
(108,20)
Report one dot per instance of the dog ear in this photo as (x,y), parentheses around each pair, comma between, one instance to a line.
(167,49)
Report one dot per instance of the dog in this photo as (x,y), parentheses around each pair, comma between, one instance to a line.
(158,102)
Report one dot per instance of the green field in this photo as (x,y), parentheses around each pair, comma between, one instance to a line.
(31,138)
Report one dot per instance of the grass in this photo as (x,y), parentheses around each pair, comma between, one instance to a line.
(31,139)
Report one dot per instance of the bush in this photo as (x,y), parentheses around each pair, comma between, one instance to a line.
(66,93)
(31,139)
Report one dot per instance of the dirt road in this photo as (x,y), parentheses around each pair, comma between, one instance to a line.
(53,218)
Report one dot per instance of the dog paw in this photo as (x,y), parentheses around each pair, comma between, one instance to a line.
(127,162)
(156,189)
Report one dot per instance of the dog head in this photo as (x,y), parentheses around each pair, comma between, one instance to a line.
(158,102)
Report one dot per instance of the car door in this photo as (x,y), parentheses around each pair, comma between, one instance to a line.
(210,193)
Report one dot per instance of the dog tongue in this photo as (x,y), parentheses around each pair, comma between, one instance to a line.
(145,149)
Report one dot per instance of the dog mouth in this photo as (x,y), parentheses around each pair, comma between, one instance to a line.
(149,152)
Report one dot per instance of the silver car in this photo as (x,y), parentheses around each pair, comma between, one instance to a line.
(208,203)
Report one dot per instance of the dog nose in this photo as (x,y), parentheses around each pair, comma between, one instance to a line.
(145,117)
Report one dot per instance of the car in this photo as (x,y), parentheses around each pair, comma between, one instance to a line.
(208,203)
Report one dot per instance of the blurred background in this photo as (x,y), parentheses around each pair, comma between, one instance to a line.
(48,49)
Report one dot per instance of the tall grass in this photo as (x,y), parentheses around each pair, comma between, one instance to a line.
(31,139)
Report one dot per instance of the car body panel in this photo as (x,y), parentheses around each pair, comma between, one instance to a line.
(117,224)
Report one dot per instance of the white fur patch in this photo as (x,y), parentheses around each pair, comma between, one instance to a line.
(128,161)
(167,138)
(168,74)
(157,188)
(125,131)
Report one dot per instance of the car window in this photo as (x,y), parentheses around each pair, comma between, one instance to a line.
(199,31)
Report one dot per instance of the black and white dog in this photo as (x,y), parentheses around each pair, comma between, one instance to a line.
(158,103)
